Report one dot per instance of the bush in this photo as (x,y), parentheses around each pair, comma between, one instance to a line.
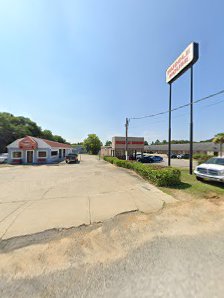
(110,159)
(201,157)
(160,176)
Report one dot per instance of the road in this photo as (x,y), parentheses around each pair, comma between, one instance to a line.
(176,252)
(38,198)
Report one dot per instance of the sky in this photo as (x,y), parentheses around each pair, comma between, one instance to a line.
(81,67)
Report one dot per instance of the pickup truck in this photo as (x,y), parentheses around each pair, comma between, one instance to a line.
(212,169)
(71,157)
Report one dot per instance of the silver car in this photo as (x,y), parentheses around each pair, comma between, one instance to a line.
(3,157)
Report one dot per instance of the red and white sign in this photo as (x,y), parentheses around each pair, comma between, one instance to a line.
(27,143)
(135,143)
(181,63)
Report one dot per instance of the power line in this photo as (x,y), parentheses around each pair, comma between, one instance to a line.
(182,115)
(179,107)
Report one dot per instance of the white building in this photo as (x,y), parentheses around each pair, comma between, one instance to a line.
(32,150)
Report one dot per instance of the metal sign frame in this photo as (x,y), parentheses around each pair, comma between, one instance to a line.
(185,61)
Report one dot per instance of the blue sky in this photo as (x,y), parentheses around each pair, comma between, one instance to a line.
(79,67)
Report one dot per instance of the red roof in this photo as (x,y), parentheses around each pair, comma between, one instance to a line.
(57,144)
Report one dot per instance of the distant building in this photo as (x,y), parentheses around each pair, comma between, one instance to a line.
(31,150)
(135,144)
(106,151)
(203,147)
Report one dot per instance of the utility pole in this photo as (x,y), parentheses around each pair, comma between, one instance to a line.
(126,139)
(169,137)
(191,123)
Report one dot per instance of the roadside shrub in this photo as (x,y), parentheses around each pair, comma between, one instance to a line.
(124,164)
(110,159)
(201,157)
(160,176)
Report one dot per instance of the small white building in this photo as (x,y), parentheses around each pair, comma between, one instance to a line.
(32,150)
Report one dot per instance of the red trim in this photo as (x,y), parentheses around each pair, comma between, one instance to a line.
(27,143)
(131,143)
(16,161)
(57,144)
(41,160)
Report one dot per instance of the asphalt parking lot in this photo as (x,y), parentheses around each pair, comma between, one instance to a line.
(175,162)
(182,163)
(39,198)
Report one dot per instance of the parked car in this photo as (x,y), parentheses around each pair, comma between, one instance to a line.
(71,158)
(146,159)
(212,170)
(172,155)
(3,158)
(157,158)
(183,156)
(139,156)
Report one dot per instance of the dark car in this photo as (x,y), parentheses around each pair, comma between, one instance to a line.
(172,155)
(183,156)
(146,159)
(71,158)
(157,158)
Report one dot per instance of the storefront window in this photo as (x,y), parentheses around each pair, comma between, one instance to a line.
(42,154)
(17,154)
(54,153)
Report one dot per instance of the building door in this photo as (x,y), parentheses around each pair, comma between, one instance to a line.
(29,156)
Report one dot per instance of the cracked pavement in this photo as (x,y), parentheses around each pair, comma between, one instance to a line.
(39,198)
(175,252)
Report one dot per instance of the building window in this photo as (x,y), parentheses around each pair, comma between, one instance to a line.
(42,154)
(54,153)
(63,152)
(17,154)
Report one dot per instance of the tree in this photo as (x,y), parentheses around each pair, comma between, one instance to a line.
(157,142)
(146,143)
(59,139)
(47,134)
(219,139)
(16,127)
(92,144)
(108,143)
(12,128)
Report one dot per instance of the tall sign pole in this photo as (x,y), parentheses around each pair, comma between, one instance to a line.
(185,61)
(170,107)
(191,123)
(126,139)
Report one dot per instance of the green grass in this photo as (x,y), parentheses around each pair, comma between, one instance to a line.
(191,187)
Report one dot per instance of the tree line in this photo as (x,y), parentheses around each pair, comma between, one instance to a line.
(164,142)
(15,127)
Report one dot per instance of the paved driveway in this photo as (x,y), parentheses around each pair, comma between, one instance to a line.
(38,198)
